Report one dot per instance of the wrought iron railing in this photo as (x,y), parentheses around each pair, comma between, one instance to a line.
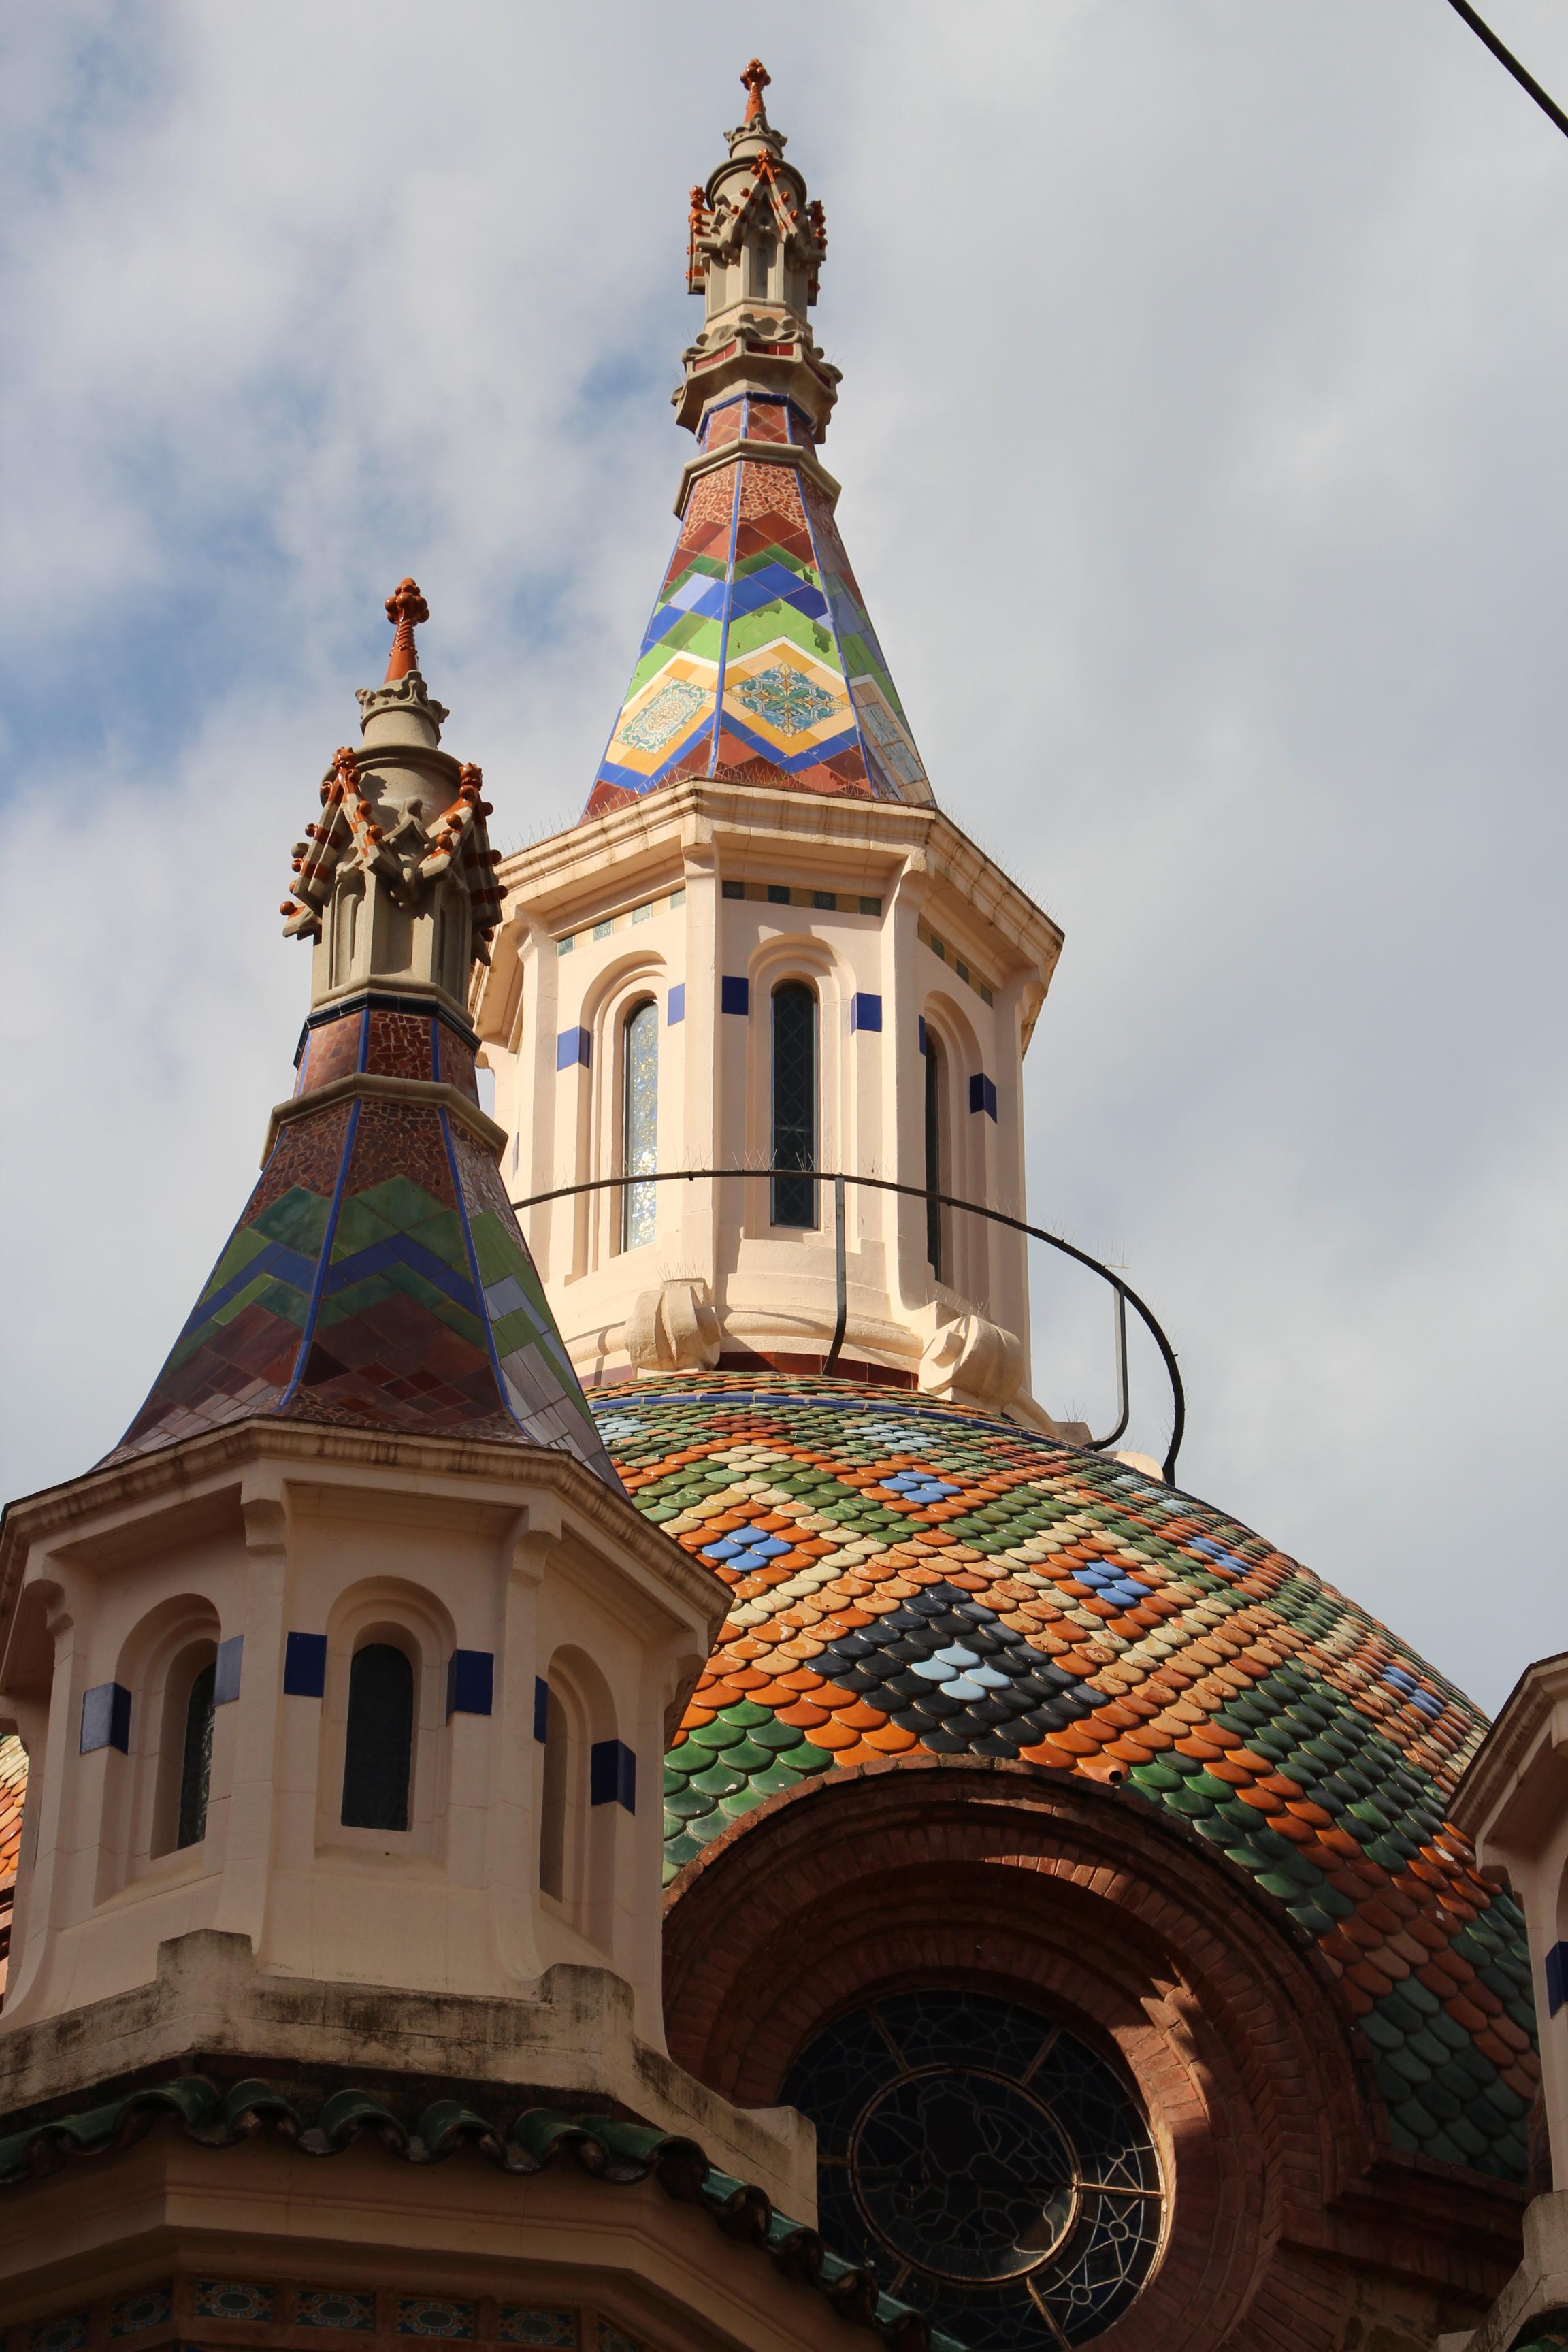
(1125,1295)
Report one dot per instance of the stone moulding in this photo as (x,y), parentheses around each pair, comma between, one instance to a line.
(602,2146)
(186,1468)
(763,453)
(376,1086)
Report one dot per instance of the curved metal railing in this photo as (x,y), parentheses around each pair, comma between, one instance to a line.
(1126,1295)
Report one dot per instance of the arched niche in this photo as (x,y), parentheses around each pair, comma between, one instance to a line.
(379,1615)
(576,1837)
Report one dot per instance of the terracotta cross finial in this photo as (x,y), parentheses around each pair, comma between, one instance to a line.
(755,80)
(404,607)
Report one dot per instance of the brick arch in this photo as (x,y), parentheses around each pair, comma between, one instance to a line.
(1081,1898)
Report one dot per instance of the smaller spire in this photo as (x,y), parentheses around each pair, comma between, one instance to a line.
(755,80)
(405,608)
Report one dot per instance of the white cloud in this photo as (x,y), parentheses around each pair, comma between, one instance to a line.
(1201,444)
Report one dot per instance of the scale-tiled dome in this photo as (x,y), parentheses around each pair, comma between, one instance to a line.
(914,1579)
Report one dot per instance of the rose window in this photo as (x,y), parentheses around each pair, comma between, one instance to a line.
(987,2165)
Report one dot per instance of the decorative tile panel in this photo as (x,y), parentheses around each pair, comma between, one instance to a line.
(234,2299)
(908,1579)
(335,2307)
(790,701)
(555,2330)
(425,2315)
(612,2339)
(67,2334)
(667,713)
(146,2307)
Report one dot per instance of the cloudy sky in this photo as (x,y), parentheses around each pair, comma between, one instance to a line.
(1203,443)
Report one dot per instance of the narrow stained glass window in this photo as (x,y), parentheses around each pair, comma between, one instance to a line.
(795,1102)
(640,1122)
(933,1155)
(197,1762)
(379,1752)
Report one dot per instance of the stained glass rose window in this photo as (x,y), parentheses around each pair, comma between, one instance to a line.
(989,2166)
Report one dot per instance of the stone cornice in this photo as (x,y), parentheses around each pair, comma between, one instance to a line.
(550,879)
(1511,1744)
(192,1466)
(374,1086)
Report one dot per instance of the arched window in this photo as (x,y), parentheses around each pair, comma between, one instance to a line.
(197,1761)
(933,1154)
(761,266)
(379,1752)
(640,1121)
(554,1797)
(794,1101)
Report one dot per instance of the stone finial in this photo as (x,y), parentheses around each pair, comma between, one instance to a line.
(405,608)
(755,80)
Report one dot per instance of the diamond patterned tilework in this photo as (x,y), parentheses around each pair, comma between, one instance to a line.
(759,663)
(377,1280)
(916,1579)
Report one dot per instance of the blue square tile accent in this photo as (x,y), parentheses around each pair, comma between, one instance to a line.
(612,1774)
(734,994)
(983,1094)
(106,1717)
(226,1675)
(676,1009)
(540,1707)
(470,1682)
(1556,1978)
(865,1012)
(572,1049)
(305,1666)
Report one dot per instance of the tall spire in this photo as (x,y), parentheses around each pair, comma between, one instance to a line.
(759,665)
(377,1276)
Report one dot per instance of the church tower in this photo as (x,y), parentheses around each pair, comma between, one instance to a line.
(765,946)
(344,1681)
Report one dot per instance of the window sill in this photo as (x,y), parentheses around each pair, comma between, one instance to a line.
(157,1874)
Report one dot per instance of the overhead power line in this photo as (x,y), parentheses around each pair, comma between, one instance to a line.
(1505,56)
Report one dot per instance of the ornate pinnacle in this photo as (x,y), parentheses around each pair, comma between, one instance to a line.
(755,80)
(404,607)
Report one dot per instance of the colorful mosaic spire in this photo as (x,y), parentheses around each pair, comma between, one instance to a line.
(377,1276)
(759,665)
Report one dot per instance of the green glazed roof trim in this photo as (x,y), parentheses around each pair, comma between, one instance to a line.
(1547,2331)
(608,2149)
(908,1579)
